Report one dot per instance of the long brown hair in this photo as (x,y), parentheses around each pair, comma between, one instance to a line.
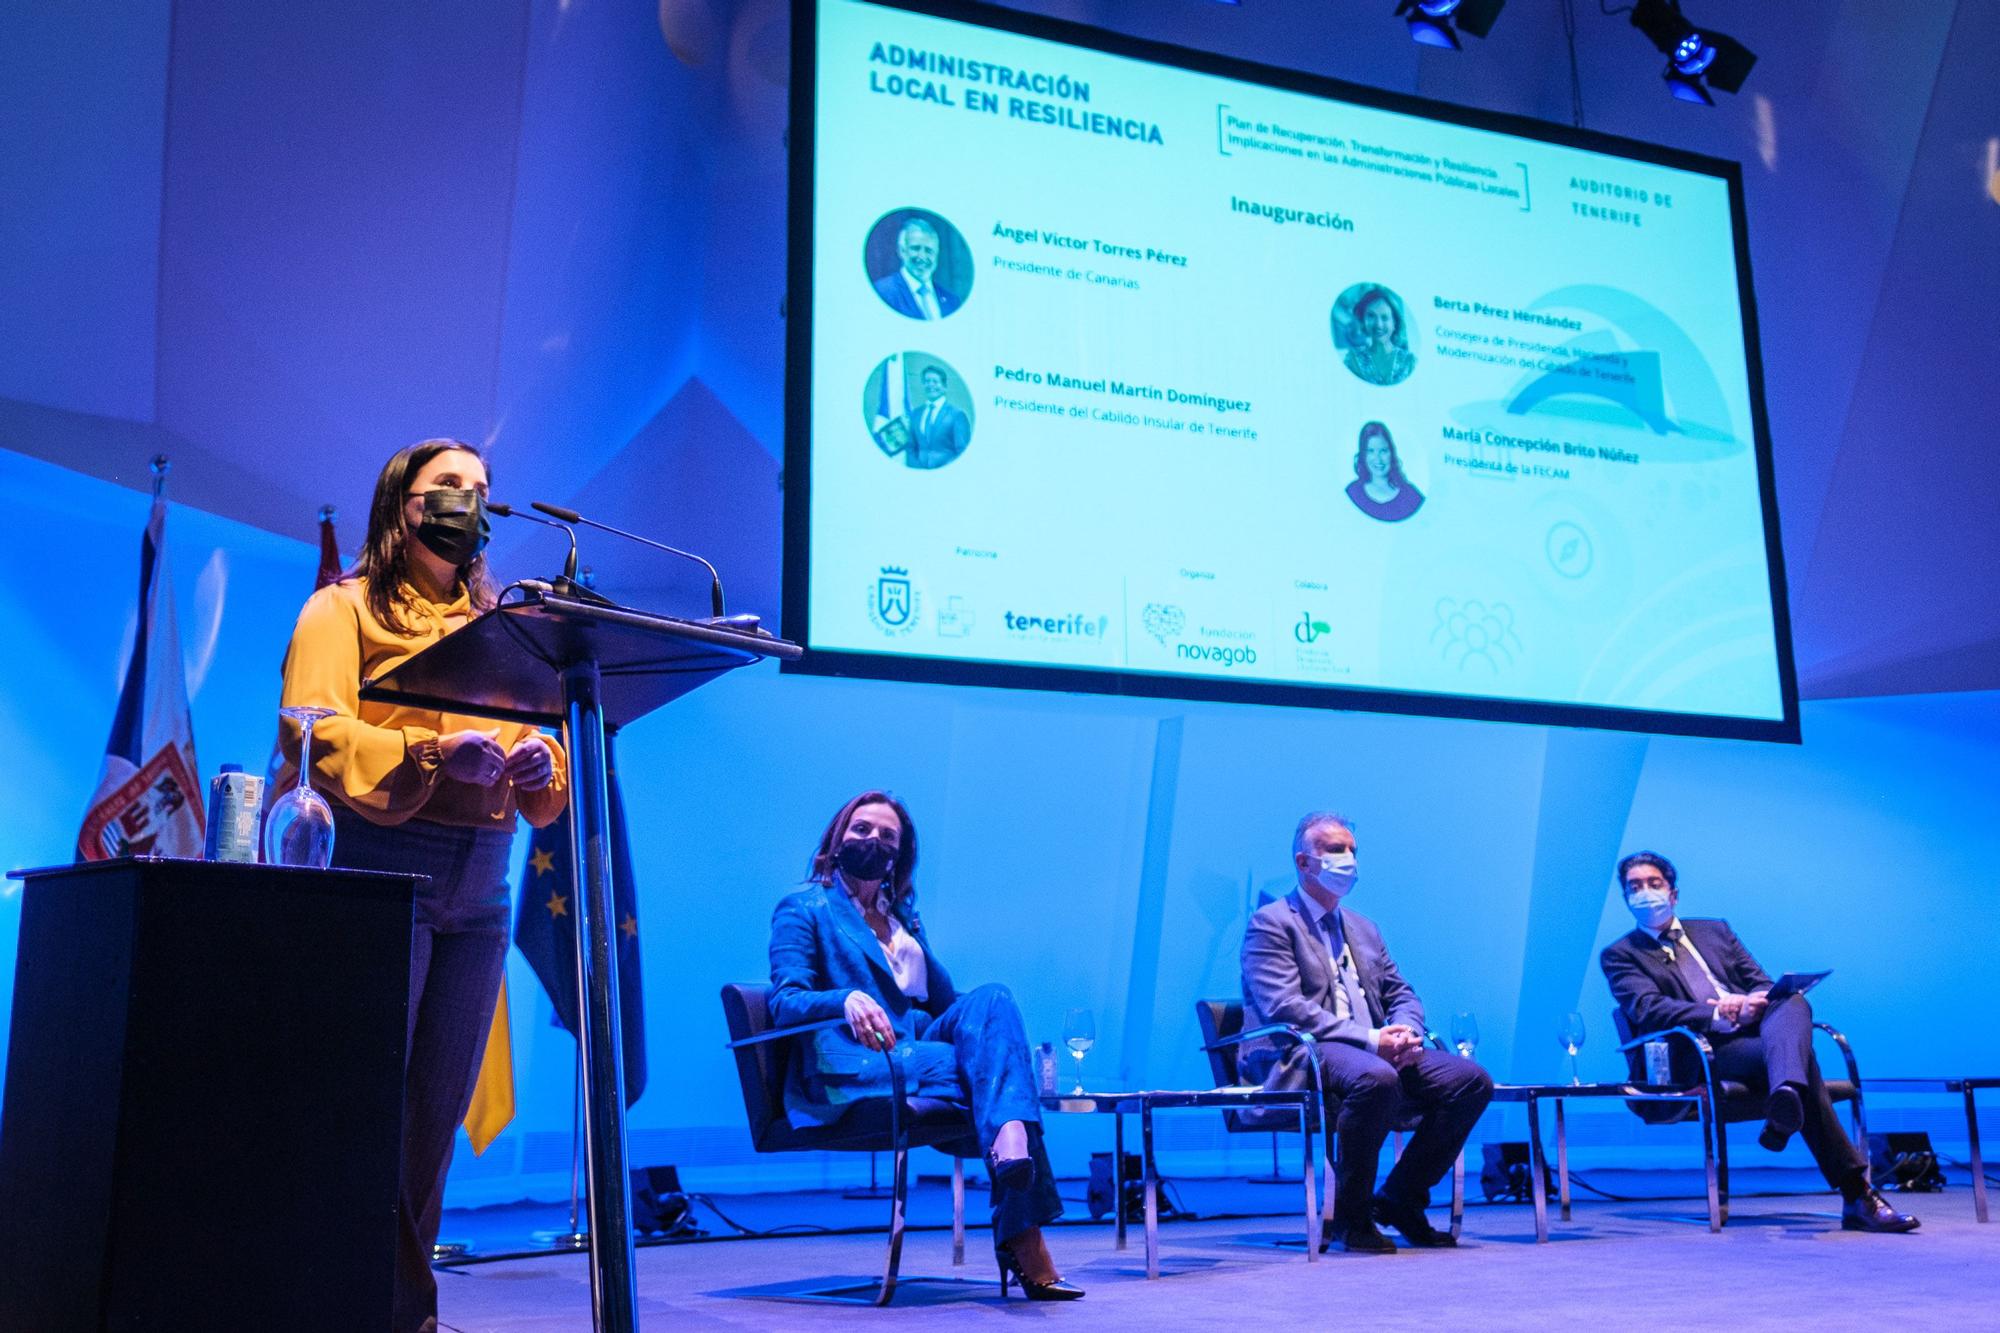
(385,557)
(902,892)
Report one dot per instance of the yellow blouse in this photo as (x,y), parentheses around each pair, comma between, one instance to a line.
(382,760)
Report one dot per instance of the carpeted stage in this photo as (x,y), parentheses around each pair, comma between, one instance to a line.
(1781,1263)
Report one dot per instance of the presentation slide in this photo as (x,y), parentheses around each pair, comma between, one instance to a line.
(1112,372)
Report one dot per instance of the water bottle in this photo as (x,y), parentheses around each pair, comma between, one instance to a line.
(1659,1064)
(1045,1068)
(234,800)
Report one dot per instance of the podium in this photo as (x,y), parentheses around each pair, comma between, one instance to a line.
(558,661)
(203,1122)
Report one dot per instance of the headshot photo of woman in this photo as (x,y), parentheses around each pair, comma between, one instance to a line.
(851,946)
(1370,323)
(1379,489)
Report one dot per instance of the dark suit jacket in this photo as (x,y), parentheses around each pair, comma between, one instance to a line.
(1288,977)
(1650,990)
(822,949)
(897,295)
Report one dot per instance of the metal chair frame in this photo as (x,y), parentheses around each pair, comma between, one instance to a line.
(1723,1110)
(1221,1066)
(899,1144)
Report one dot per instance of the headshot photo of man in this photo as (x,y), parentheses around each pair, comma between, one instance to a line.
(918,263)
(918,410)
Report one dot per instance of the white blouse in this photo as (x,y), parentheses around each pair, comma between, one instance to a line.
(905,956)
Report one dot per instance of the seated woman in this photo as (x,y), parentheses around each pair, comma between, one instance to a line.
(851,945)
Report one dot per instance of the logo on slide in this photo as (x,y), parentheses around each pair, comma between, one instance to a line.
(893,603)
(1075,625)
(955,620)
(1221,656)
(1163,620)
(1309,629)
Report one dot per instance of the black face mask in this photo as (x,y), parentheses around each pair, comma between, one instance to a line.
(455,526)
(865,858)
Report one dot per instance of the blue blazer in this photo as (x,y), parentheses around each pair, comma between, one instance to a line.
(896,294)
(821,950)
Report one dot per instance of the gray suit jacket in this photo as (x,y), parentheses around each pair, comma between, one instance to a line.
(1288,977)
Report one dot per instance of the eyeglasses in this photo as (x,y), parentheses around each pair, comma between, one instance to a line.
(1653,882)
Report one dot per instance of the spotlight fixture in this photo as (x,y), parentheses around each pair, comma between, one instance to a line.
(1698,59)
(1438,22)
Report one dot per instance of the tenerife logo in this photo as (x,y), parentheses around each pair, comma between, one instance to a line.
(893,603)
(1163,620)
(1073,626)
(1309,629)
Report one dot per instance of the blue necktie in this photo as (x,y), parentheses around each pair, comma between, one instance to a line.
(1682,957)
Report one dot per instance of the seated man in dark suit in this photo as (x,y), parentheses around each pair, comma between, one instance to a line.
(1320,967)
(1697,974)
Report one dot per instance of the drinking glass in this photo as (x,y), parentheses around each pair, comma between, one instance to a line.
(1079,1034)
(1464,1033)
(1570,1035)
(298,828)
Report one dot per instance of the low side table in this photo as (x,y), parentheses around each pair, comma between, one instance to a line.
(1118,1105)
(1532,1095)
(1964,1087)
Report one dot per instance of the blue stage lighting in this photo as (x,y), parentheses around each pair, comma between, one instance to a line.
(1698,59)
(1439,22)
(1693,54)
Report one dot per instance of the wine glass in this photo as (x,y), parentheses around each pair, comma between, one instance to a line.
(1464,1032)
(1079,1034)
(298,829)
(1569,1034)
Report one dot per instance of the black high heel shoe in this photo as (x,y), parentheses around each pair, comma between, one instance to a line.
(1010,1267)
(1016,1173)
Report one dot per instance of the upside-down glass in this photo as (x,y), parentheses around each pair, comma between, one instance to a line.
(1079,1034)
(1570,1035)
(298,828)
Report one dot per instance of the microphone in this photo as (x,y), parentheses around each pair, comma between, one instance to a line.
(569,565)
(571,516)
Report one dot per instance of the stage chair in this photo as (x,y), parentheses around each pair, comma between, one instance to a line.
(893,1124)
(1221,1023)
(1734,1102)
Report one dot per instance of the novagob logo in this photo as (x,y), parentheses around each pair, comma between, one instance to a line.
(1226,659)
(1076,625)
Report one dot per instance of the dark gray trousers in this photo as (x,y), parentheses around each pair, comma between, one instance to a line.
(458,950)
(1779,1050)
(1448,1093)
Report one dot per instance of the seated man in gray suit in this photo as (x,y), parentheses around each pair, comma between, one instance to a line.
(1695,973)
(1322,968)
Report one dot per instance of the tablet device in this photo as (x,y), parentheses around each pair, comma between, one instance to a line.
(1795,983)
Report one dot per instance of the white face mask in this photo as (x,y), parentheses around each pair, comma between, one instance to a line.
(1336,874)
(1652,908)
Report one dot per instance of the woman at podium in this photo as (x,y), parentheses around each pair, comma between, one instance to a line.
(850,945)
(421,792)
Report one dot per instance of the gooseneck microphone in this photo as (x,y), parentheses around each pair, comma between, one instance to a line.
(571,516)
(569,565)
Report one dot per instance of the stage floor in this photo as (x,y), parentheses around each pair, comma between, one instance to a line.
(1781,1263)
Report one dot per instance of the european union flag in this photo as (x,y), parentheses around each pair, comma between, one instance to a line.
(545,928)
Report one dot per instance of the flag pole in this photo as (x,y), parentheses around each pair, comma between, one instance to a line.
(574,1238)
